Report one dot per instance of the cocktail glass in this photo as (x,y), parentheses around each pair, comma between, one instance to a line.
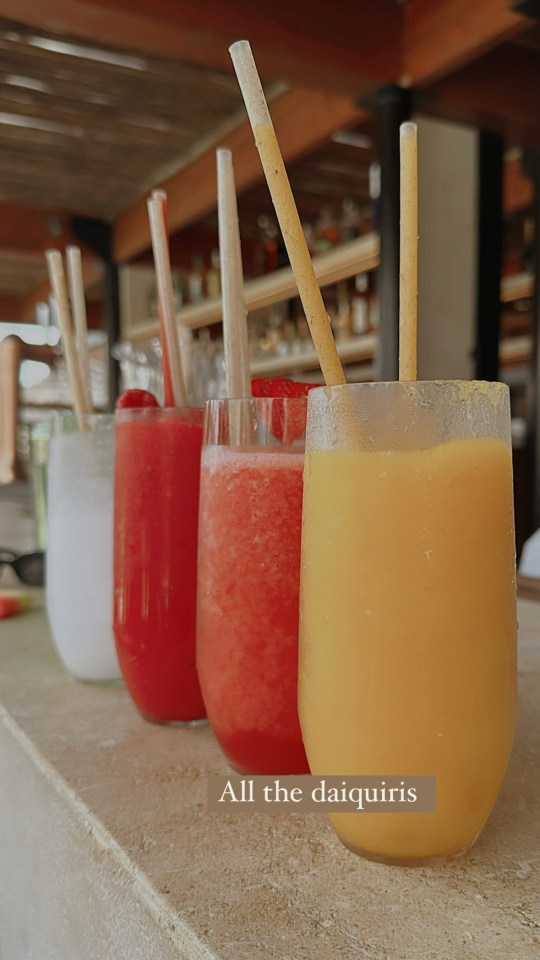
(155,560)
(39,454)
(79,569)
(408,607)
(249,570)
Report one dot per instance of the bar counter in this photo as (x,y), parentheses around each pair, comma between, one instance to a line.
(107,851)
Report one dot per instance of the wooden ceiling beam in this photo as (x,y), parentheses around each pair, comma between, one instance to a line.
(518,189)
(367,44)
(25,234)
(350,53)
(28,303)
(92,274)
(192,192)
(499,91)
(10,308)
(26,229)
(440,36)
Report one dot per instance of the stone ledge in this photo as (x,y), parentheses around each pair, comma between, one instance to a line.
(108,852)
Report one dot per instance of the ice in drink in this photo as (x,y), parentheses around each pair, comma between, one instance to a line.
(249,568)
(408,619)
(79,559)
(155,565)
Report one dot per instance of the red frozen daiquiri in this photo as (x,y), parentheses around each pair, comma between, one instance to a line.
(155,556)
(249,572)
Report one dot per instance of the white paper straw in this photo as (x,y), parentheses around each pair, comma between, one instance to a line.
(58,284)
(235,335)
(78,307)
(166,298)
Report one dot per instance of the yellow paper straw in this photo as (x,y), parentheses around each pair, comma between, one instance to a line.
(408,251)
(287,214)
(235,335)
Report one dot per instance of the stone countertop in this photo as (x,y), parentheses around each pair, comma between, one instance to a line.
(233,887)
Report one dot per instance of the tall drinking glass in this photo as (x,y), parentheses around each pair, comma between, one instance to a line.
(40,434)
(79,568)
(408,609)
(155,559)
(249,572)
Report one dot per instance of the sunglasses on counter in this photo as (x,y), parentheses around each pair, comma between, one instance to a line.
(28,567)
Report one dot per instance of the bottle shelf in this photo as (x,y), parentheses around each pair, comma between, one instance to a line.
(517,287)
(356,350)
(356,256)
(515,349)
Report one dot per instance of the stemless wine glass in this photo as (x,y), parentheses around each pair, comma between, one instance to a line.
(249,574)
(156,507)
(408,608)
(79,559)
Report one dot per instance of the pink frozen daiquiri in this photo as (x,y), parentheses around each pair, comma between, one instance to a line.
(249,571)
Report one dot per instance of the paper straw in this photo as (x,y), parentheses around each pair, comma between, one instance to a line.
(78,309)
(235,336)
(166,299)
(408,251)
(287,214)
(58,284)
(168,398)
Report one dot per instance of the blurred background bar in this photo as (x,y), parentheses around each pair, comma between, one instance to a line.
(101,102)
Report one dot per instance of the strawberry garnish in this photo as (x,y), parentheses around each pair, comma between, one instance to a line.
(136,398)
(286,421)
(281,387)
(12,603)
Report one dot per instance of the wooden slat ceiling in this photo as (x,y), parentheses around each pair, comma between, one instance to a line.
(89,129)
(20,272)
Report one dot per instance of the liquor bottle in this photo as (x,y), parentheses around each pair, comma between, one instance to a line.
(375,194)
(326,230)
(195,280)
(349,221)
(360,305)
(213,276)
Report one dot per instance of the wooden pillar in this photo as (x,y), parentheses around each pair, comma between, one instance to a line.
(97,236)
(111,325)
(391,106)
(533,426)
(489,254)
(447,254)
